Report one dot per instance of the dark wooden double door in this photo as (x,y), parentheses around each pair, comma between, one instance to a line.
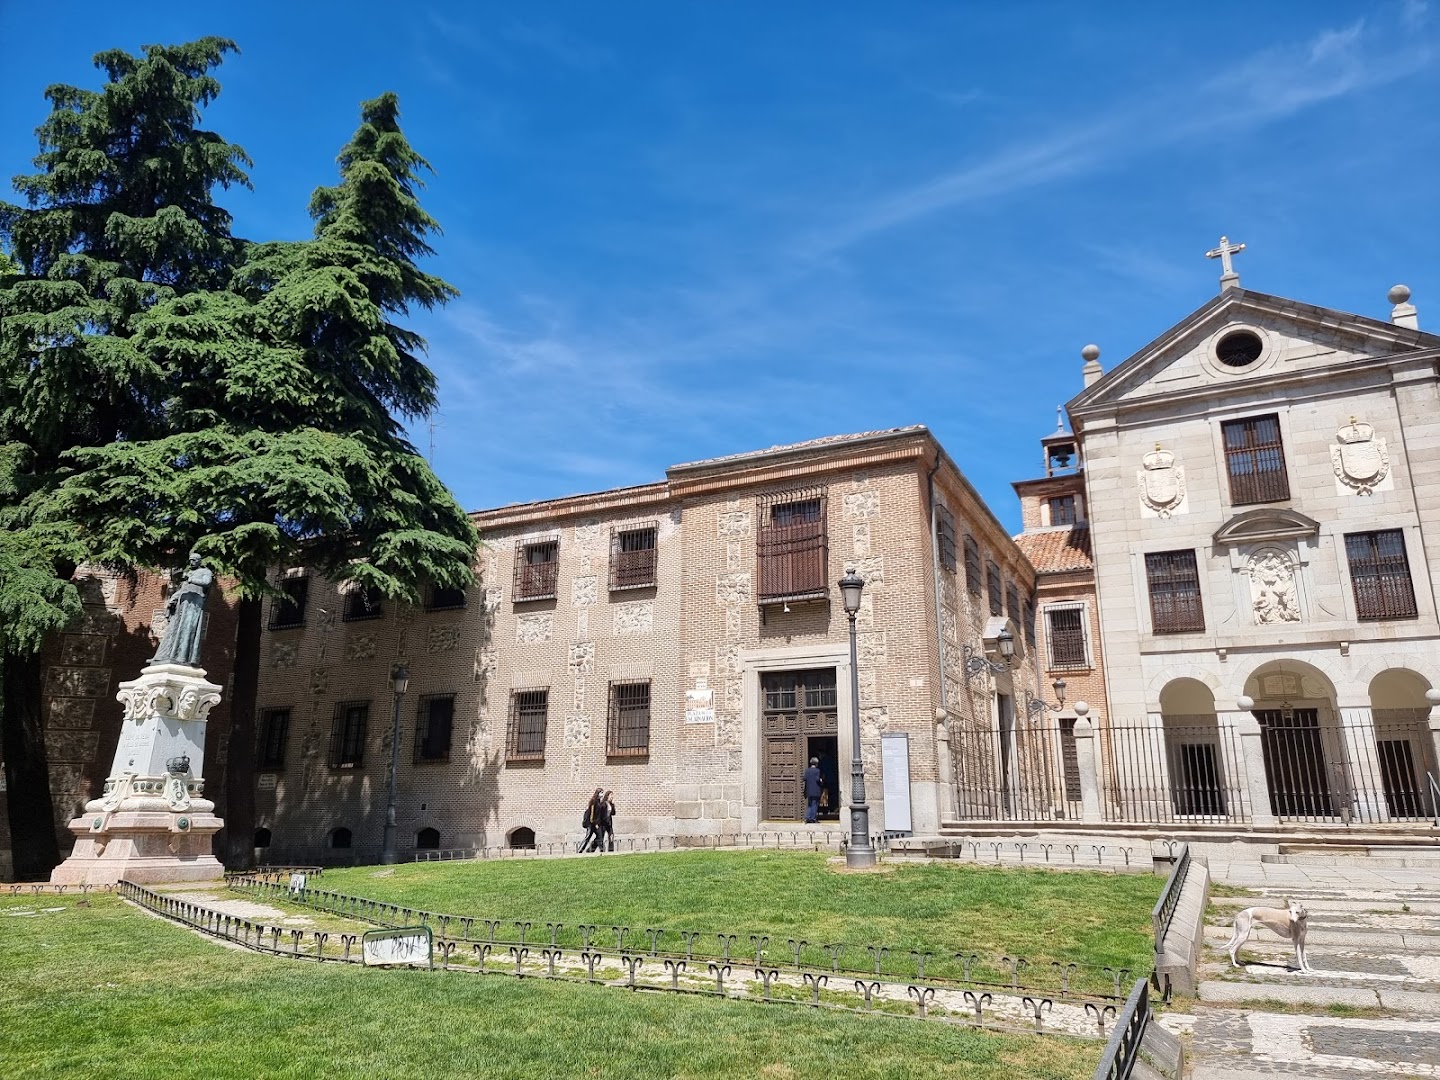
(798,721)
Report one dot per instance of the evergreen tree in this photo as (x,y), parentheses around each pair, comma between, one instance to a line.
(281,441)
(117,221)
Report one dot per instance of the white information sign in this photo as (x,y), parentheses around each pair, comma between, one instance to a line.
(407,946)
(895,771)
(699,716)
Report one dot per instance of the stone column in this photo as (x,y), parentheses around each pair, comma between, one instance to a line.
(1364,793)
(151,825)
(945,767)
(1252,763)
(1088,762)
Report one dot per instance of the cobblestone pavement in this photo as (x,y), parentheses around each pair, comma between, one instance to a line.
(1364,1011)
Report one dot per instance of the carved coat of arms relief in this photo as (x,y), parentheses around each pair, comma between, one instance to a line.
(1162,482)
(1361,461)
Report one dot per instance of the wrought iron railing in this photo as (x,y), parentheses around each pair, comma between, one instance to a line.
(1163,912)
(1434,797)
(1123,1048)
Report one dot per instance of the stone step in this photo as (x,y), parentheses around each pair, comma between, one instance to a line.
(1387,860)
(1247,1044)
(1352,941)
(1295,993)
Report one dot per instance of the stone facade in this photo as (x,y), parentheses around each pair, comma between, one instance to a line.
(561,622)
(1262,486)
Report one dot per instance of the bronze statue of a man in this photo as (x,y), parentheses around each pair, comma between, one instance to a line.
(186,609)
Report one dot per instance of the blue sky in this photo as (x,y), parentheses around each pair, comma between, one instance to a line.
(683,230)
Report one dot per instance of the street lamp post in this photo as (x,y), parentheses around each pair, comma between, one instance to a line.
(860,853)
(400,677)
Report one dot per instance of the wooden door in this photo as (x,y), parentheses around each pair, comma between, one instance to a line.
(782,778)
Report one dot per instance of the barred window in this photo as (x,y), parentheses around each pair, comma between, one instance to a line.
(945,537)
(537,569)
(1380,575)
(791,546)
(347,734)
(433,726)
(362,602)
(1065,636)
(1174,582)
(972,566)
(632,557)
(1062,510)
(1030,622)
(274,733)
(628,730)
(445,598)
(996,587)
(1255,460)
(288,610)
(1012,602)
(525,733)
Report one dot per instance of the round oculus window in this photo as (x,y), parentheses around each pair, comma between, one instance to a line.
(1239,348)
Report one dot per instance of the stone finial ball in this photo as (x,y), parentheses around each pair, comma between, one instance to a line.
(1092,352)
(1433,697)
(1398,294)
(1082,709)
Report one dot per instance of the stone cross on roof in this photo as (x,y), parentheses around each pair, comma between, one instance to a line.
(1229,279)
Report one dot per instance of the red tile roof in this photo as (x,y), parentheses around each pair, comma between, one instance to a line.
(1056,551)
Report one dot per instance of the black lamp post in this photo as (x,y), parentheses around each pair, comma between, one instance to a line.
(400,677)
(860,853)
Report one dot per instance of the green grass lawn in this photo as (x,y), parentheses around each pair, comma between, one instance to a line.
(105,990)
(1090,919)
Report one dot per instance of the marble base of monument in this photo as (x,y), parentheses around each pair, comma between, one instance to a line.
(152,824)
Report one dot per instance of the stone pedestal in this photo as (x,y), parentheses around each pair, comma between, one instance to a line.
(151,825)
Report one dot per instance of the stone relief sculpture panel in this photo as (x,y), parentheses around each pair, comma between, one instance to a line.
(1162,484)
(534,627)
(1273,595)
(1361,461)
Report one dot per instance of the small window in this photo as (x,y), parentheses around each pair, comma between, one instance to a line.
(274,733)
(1062,510)
(522,837)
(628,730)
(1380,575)
(1174,583)
(525,732)
(288,610)
(445,598)
(1238,349)
(945,537)
(1012,603)
(1255,460)
(1065,635)
(347,734)
(996,587)
(433,727)
(340,838)
(1030,622)
(972,566)
(537,570)
(362,602)
(427,840)
(632,558)
(262,838)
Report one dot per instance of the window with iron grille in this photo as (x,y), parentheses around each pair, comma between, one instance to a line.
(1030,622)
(525,733)
(362,603)
(632,557)
(537,569)
(791,547)
(274,733)
(433,726)
(945,537)
(445,598)
(1380,575)
(1255,460)
(972,566)
(1012,602)
(996,588)
(789,691)
(1174,582)
(288,610)
(347,734)
(627,733)
(1062,510)
(1065,636)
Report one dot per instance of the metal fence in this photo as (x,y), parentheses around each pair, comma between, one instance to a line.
(1023,771)
(1189,769)
(1123,1048)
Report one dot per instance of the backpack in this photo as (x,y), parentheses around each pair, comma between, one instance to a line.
(585,818)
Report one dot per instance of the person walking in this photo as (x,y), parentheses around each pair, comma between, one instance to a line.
(813,788)
(591,822)
(607,821)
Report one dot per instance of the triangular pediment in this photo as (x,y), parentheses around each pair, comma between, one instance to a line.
(1266,523)
(1196,357)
